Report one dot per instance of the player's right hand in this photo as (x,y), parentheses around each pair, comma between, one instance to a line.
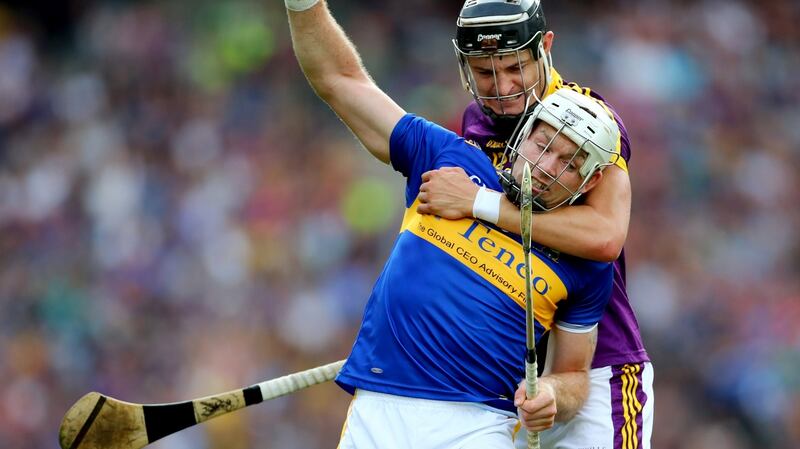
(447,192)
(538,413)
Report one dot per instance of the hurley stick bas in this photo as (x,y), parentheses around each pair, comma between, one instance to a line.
(97,421)
(531,369)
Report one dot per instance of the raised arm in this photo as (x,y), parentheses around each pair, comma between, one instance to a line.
(334,69)
(594,230)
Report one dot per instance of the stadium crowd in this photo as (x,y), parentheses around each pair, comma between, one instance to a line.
(180,215)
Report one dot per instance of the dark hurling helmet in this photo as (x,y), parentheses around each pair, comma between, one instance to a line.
(499,28)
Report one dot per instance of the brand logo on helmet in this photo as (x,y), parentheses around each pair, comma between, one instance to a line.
(482,37)
(570,118)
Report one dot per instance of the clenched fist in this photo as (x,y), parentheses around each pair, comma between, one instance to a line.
(447,192)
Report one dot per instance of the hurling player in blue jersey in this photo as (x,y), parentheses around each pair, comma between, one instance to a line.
(439,354)
(504,55)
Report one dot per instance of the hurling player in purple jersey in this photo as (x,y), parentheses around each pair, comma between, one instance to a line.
(504,56)
(438,357)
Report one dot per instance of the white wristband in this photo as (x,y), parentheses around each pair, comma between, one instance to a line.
(300,5)
(487,205)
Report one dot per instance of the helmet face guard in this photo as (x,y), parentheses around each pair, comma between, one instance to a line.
(582,120)
(495,29)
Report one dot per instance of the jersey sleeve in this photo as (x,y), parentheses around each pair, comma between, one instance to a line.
(584,308)
(624,144)
(414,148)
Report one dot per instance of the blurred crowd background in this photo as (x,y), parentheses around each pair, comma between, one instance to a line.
(180,215)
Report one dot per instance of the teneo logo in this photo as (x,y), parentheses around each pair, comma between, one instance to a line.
(483,37)
(570,118)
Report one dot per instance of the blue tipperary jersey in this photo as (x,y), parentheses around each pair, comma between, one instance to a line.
(619,341)
(446,317)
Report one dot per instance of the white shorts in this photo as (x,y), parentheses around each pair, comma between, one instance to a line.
(383,421)
(618,412)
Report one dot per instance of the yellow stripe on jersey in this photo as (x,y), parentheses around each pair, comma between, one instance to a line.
(620,162)
(492,255)
(557,82)
(631,406)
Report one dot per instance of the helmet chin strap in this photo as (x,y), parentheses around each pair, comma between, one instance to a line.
(506,124)
(547,63)
(513,192)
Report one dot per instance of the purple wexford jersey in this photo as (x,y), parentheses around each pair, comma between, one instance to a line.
(619,340)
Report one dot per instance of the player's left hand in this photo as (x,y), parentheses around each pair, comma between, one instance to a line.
(539,412)
(447,192)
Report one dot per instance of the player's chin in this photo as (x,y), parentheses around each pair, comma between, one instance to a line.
(514,107)
(549,200)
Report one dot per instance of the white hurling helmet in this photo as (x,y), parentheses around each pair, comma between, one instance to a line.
(581,119)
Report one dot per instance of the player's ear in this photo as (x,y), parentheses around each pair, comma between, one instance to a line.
(593,181)
(547,41)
